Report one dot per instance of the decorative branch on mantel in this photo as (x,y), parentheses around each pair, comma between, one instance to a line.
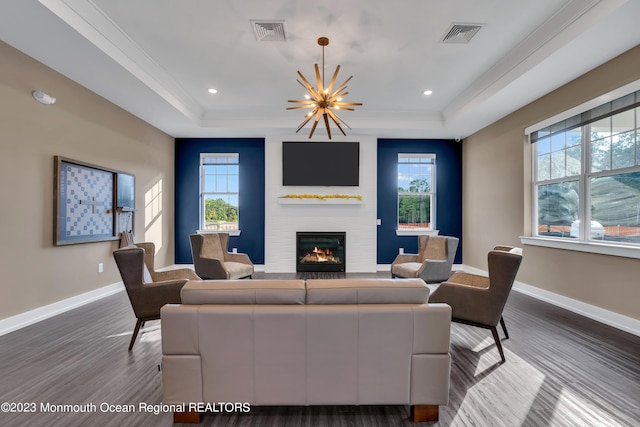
(322,196)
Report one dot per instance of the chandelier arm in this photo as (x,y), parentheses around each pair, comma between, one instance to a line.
(298,107)
(303,101)
(341,121)
(310,89)
(313,128)
(333,79)
(326,123)
(336,119)
(306,85)
(337,95)
(309,117)
(344,84)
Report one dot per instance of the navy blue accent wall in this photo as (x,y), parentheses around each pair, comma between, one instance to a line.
(448,193)
(252,173)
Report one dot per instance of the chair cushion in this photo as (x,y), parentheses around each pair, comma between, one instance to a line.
(243,292)
(367,291)
(211,247)
(406,269)
(238,270)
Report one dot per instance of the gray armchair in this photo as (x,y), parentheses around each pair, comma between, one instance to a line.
(212,260)
(159,276)
(433,261)
(145,295)
(478,300)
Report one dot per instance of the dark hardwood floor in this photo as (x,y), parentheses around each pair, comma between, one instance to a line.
(562,370)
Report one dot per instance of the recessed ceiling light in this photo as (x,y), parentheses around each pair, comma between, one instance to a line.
(212,90)
(428,92)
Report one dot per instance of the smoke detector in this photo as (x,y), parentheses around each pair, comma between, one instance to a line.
(43,98)
(461,33)
(269,31)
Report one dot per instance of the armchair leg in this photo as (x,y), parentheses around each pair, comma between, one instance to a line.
(494,331)
(504,328)
(139,323)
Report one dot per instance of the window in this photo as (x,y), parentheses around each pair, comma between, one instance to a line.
(416,189)
(219,191)
(587,175)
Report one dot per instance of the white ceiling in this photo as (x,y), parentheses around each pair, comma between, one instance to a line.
(157,58)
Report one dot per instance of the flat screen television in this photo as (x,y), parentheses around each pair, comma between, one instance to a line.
(321,163)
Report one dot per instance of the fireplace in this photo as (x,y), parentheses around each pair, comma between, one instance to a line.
(320,251)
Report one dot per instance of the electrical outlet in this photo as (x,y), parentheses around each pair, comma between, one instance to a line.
(234,250)
(401,251)
(100,267)
(378,221)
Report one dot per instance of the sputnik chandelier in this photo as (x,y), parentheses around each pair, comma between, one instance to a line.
(324,100)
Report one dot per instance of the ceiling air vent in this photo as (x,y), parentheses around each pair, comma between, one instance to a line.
(461,33)
(269,31)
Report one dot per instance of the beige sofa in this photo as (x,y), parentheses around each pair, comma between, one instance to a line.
(313,342)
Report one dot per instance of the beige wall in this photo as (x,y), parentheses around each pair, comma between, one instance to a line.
(84,127)
(497,199)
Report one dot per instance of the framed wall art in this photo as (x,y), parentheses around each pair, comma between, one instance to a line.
(85,198)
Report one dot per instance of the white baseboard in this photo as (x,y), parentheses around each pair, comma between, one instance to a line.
(611,318)
(39,314)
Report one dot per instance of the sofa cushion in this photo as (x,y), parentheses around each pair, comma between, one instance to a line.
(243,292)
(367,291)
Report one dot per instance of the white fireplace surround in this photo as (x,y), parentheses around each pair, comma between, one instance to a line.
(357,219)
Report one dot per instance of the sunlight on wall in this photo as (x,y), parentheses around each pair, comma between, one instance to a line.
(153,215)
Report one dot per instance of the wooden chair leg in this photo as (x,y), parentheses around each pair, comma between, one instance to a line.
(504,328)
(187,417)
(494,331)
(139,323)
(422,413)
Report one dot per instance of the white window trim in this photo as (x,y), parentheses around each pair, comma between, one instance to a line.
(235,232)
(590,246)
(583,246)
(417,232)
(232,232)
(422,231)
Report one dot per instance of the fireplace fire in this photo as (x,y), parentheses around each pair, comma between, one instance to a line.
(320,251)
